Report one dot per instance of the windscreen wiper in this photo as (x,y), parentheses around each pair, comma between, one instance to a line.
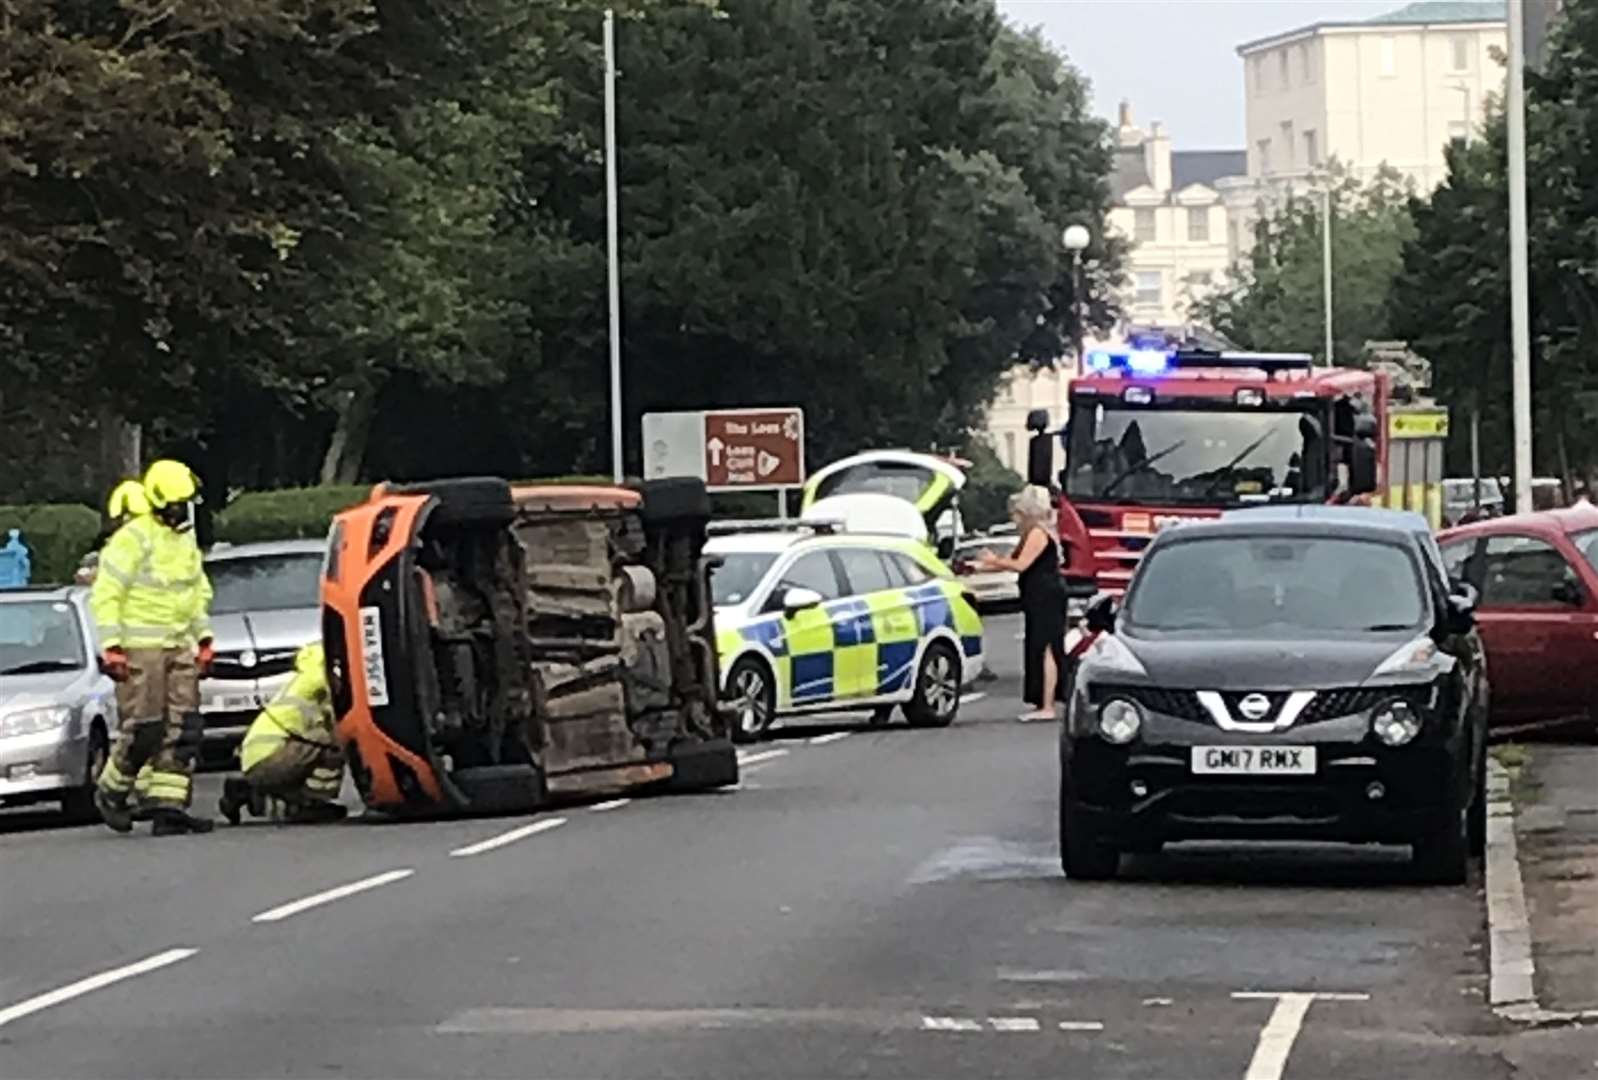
(1140,466)
(1226,469)
(40,667)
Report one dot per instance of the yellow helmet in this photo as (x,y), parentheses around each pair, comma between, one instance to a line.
(168,482)
(128,500)
(310,660)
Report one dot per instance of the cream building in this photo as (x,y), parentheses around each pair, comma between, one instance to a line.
(1391,90)
(1025,389)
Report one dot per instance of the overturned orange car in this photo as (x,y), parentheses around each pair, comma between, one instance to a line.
(491,647)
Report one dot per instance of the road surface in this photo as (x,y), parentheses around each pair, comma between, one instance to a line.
(870,903)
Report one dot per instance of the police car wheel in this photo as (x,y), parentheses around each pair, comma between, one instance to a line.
(937,693)
(753,697)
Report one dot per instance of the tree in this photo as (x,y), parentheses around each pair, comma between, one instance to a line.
(1273,298)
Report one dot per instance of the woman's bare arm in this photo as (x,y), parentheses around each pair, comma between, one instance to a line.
(1032,546)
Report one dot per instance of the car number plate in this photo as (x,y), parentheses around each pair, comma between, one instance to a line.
(1253,761)
(372,656)
(229,703)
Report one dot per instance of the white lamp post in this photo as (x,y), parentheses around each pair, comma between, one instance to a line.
(1076,239)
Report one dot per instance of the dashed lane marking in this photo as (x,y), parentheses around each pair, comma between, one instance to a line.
(612,804)
(508,837)
(1281,1030)
(568,1021)
(1015,1023)
(1081,1025)
(949,1023)
(93,983)
(756,759)
(277,914)
(976,695)
(823,740)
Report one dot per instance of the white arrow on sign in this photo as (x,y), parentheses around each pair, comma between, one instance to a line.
(715,446)
(768,463)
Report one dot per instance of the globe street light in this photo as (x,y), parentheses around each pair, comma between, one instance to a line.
(1076,239)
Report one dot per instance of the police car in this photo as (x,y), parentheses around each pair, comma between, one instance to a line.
(811,618)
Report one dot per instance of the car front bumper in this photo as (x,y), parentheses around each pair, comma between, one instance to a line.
(41,764)
(229,706)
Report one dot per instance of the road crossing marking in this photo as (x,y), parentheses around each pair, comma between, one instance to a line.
(612,804)
(1015,1023)
(823,740)
(278,914)
(508,838)
(949,1023)
(93,983)
(1281,1030)
(756,759)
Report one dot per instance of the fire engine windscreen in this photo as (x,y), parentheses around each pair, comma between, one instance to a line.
(1201,456)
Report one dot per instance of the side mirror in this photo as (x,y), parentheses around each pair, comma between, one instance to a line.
(1100,618)
(1364,425)
(796,600)
(946,549)
(1567,592)
(1461,614)
(1040,459)
(1361,467)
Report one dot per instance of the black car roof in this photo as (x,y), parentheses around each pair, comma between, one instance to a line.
(1244,528)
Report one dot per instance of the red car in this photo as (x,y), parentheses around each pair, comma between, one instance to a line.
(1537,576)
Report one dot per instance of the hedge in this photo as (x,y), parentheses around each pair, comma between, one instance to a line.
(57,535)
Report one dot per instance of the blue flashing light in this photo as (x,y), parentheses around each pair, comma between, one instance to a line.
(1099,360)
(1148,361)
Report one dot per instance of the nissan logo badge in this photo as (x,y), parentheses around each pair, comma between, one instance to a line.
(1254,707)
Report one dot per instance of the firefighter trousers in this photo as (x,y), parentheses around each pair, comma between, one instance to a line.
(299,772)
(160,726)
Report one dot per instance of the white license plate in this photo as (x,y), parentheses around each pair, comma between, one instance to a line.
(372,656)
(1253,761)
(229,703)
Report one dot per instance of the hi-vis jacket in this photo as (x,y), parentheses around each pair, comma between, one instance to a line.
(151,591)
(302,712)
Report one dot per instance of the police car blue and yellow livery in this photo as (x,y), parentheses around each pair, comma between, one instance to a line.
(808,621)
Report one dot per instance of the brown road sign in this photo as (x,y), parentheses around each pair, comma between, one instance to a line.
(754,448)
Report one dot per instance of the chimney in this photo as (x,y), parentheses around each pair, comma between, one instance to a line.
(1157,157)
(1126,114)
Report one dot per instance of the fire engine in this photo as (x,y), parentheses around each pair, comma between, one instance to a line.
(1156,436)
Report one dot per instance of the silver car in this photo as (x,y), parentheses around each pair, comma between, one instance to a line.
(267,604)
(57,711)
(994,589)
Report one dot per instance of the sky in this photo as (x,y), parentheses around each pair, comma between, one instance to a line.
(1175,60)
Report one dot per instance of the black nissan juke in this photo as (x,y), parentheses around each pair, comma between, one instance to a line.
(1304,673)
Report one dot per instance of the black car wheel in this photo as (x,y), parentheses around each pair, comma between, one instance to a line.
(1476,820)
(1442,856)
(675,499)
(1084,855)
(752,693)
(937,695)
(78,804)
(477,501)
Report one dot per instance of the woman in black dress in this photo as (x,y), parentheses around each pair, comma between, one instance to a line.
(1036,559)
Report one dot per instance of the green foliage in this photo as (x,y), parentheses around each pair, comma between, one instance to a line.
(1273,298)
(984,501)
(57,536)
(295,514)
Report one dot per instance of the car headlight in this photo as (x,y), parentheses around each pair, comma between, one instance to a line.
(1395,722)
(1119,721)
(31,721)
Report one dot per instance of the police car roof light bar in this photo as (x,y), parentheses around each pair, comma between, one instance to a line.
(824,527)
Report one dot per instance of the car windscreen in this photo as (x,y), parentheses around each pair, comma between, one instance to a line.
(265,583)
(1587,543)
(37,637)
(1277,586)
(739,575)
(1205,456)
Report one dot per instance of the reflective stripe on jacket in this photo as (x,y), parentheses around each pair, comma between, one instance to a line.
(150,591)
(302,710)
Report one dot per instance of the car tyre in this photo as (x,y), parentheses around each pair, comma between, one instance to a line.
(937,691)
(78,804)
(752,692)
(674,499)
(703,766)
(882,716)
(1442,856)
(1476,819)
(1084,855)
(501,789)
(482,501)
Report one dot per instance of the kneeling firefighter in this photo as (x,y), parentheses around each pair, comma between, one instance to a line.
(293,766)
(151,601)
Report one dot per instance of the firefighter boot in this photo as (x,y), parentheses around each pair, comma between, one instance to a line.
(236,795)
(316,812)
(113,810)
(170,822)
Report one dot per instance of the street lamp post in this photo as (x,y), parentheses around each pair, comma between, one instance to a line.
(611,228)
(1076,239)
(1326,267)
(1519,301)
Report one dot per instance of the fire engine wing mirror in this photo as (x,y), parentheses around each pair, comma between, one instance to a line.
(796,600)
(1309,428)
(1461,613)
(1100,617)
(1040,460)
(1364,425)
(1362,467)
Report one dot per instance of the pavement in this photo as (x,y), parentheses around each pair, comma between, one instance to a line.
(868,903)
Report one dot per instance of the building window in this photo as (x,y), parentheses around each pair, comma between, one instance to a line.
(1258,64)
(1199,280)
(1009,450)
(1150,289)
(1287,142)
(1312,149)
(1263,151)
(1461,52)
(1232,246)
(1281,59)
(1388,62)
(1306,62)
(1144,228)
(1198,224)
(1458,131)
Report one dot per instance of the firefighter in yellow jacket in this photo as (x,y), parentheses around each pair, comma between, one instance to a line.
(293,766)
(151,601)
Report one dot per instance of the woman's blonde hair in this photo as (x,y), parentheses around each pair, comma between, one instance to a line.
(1034,506)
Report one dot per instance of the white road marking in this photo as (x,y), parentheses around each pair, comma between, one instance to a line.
(612,804)
(1281,1030)
(1015,1023)
(948,1023)
(978,695)
(277,914)
(823,740)
(1081,1025)
(92,983)
(508,838)
(756,759)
